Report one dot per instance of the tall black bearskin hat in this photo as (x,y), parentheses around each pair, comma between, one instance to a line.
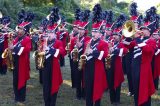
(83,23)
(6,20)
(97,13)
(25,19)
(153,11)
(117,27)
(29,16)
(85,15)
(54,16)
(133,9)
(44,23)
(109,17)
(77,14)
(24,16)
(21,16)
(147,17)
(104,15)
(140,20)
(157,20)
(120,21)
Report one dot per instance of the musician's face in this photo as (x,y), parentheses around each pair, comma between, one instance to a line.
(116,38)
(51,36)
(95,35)
(137,34)
(156,36)
(81,32)
(21,31)
(136,25)
(75,29)
(103,27)
(146,32)
(108,32)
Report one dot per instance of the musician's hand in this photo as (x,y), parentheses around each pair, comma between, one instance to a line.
(89,51)
(45,48)
(10,46)
(111,49)
(79,44)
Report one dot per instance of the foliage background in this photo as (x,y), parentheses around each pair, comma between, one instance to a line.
(41,7)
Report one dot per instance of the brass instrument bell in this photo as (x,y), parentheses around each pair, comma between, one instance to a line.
(128,29)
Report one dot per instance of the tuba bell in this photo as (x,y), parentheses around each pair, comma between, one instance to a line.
(128,29)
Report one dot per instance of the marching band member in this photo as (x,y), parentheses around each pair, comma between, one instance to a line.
(141,65)
(94,74)
(109,22)
(27,18)
(53,48)
(73,34)
(137,19)
(52,78)
(5,21)
(115,73)
(63,35)
(39,39)
(155,59)
(21,48)
(79,42)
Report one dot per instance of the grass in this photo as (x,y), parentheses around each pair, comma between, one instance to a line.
(66,95)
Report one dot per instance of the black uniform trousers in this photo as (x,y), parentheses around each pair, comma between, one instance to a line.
(136,74)
(72,72)
(78,80)
(20,94)
(40,76)
(156,80)
(89,82)
(62,61)
(114,92)
(3,68)
(50,100)
(128,61)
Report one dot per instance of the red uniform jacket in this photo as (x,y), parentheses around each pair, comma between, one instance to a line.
(146,85)
(118,69)
(24,63)
(100,80)
(73,43)
(63,37)
(56,72)
(156,62)
(74,40)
